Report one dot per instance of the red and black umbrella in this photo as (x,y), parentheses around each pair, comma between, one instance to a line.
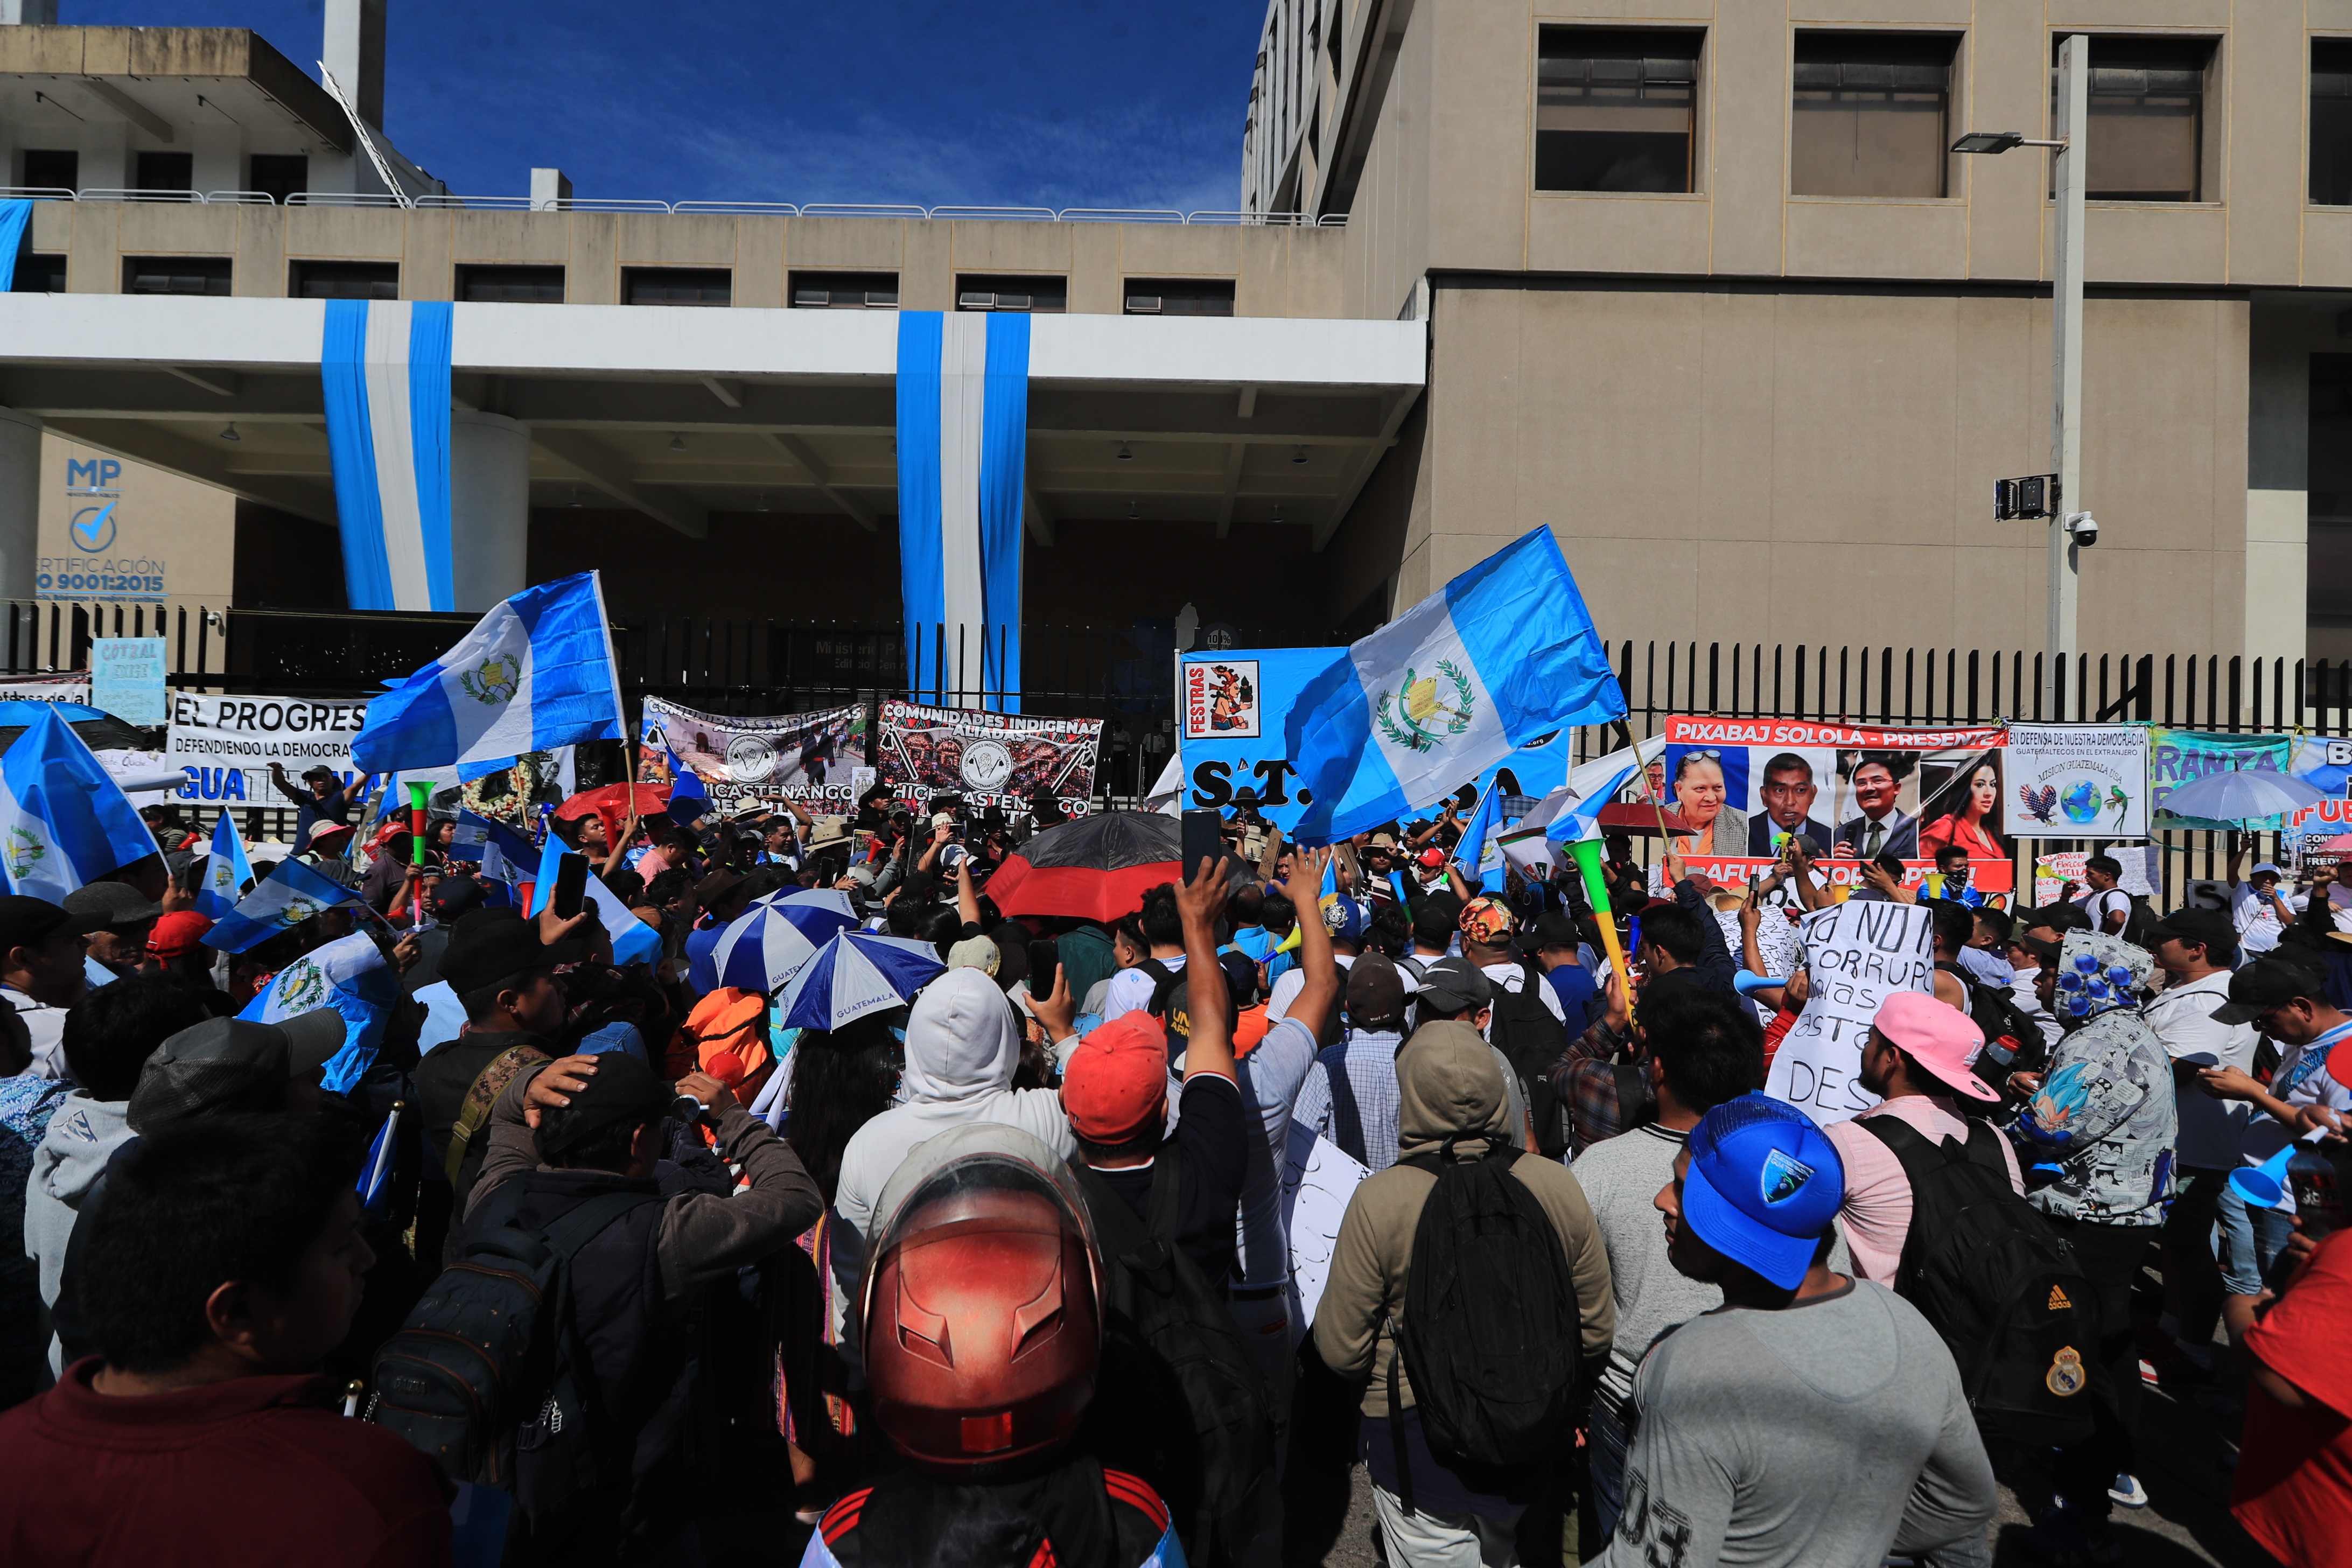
(1095,868)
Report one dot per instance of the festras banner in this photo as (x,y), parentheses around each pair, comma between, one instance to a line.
(1234,706)
(806,757)
(1000,760)
(224,745)
(1856,956)
(2078,781)
(1858,792)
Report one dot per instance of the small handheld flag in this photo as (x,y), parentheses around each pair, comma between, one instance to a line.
(689,799)
(226,871)
(64,822)
(377,1172)
(290,894)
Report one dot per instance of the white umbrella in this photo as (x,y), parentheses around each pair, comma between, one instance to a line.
(2240,795)
(855,974)
(767,945)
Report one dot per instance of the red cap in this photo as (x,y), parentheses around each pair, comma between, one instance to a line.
(1433,858)
(178,933)
(1116,1080)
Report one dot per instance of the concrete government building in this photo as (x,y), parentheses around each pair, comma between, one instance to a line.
(1697,285)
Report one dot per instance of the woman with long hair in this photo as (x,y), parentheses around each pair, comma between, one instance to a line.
(1972,801)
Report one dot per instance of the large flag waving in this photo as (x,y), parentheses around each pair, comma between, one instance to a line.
(290,895)
(64,822)
(226,871)
(535,673)
(1455,684)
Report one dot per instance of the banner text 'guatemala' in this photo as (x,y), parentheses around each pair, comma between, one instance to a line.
(535,673)
(1504,653)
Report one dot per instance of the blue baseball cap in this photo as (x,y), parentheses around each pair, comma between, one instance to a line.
(1763,1187)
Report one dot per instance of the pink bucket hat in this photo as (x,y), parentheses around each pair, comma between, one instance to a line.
(1938,1036)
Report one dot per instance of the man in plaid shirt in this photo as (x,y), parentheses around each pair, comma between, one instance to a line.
(1350,1095)
(1603,1098)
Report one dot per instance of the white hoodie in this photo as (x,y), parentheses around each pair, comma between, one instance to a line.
(81,1137)
(962,1048)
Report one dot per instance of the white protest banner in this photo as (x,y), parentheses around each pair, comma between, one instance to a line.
(2078,781)
(224,745)
(807,757)
(70,688)
(1318,1179)
(1857,954)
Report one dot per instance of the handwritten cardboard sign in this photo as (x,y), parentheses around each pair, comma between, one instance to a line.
(1857,954)
(1317,1180)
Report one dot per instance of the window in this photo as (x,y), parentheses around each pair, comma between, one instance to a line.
(51,170)
(39,274)
(176,275)
(1615,110)
(278,176)
(345,281)
(173,171)
(676,286)
(2148,119)
(1871,111)
(2331,123)
(1039,296)
(1180,297)
(844,290)
(511,285)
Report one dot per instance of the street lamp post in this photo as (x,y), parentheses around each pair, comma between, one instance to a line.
(2070,529)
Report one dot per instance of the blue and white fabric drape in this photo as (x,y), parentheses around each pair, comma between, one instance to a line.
(15,221)
(963,440)
(386,364)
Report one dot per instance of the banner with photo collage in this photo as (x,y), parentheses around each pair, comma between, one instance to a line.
(993,759)
(1742,786)
(806,757)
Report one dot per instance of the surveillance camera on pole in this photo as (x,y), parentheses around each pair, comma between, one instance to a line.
(2082,529)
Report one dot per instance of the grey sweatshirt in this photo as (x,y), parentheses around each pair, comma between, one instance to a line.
(1621,1177)
(81,1137)
(1827,1434)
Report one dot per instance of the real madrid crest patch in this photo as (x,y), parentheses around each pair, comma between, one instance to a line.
(2066,1375)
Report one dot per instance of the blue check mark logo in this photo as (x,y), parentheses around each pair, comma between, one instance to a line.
(93,528)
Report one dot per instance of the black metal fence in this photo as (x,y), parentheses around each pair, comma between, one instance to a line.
(1123,675)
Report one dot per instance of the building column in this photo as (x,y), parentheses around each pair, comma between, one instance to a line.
(489,507)
(20,503)
(2278,463)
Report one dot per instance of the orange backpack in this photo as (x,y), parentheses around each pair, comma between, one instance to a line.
(726,1036)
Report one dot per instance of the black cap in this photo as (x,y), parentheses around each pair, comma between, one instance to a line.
(489,945)
(1558,928)
(29,923)
(2265,984)
(2209,929)
(622,1089)
(1451,984)
(114,905)
(453,897)
(321,772)
(218,1063)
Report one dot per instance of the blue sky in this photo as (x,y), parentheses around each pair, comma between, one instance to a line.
(1055,103)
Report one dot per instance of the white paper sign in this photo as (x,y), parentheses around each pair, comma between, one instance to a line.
(1317,1180)
(2076,781)
(1857,955)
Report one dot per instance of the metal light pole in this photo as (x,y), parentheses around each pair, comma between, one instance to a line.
(2071,525)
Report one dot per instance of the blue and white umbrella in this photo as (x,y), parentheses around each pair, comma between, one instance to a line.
(855,974)
(768,944)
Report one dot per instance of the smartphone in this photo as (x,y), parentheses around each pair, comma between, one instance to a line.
(1044,965)
(570,885)
(1204,838)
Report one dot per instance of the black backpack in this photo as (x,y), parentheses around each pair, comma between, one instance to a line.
(1532,1041)
(1180,1400)
(2014,1042)
(1164,980)
(1492,1330)
(484,1376)
(2001,1287)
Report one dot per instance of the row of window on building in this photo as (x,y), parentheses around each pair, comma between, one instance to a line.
(1617,109)
(209,275)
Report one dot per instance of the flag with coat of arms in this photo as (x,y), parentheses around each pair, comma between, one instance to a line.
(64,822)
(290,894)
(226,871)
(535,673)
(351,976)
(1503,653)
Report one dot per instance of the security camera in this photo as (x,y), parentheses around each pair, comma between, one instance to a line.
(2083,528)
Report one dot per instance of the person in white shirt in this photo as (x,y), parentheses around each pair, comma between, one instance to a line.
(2197,950)
(2109,905)
(1163,931)
(2334,890)
(2257,909)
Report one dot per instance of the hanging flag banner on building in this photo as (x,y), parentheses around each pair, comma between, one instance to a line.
(1857,954)
(998,760)
(2078,781)
(807,757)
(224,745)
(1743,785)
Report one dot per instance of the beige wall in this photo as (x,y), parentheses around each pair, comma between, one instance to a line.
(161,525)
(1800,465)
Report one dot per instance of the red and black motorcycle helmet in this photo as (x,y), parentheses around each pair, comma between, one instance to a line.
(983,1304)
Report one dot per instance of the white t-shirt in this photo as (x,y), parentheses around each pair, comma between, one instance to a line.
(2181,1018)
(2255,917)
(2099,906)
(2339,905)
(1130,989)
(47,1027)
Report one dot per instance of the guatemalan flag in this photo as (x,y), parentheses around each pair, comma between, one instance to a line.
(506,855)
(226,871)
(634,941)
(964,438)
(688,798)
(535,673)
(348,974)
(1450,687)
(290,894)
(385,367)
(64,822)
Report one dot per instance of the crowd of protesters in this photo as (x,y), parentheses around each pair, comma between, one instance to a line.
(1002,1274)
